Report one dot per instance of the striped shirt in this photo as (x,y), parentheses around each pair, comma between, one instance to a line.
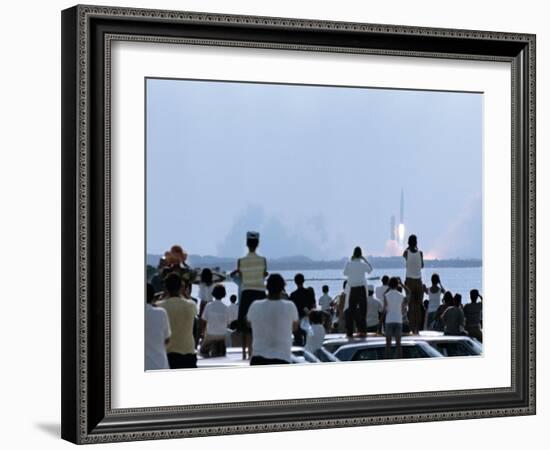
(252,268)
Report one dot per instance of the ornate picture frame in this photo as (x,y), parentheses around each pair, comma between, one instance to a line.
(87,35)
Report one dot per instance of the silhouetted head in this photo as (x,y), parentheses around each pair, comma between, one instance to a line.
(325,289)
(385,280)
(457,300)
(413,242)
(275,285)
(218,292)
(172,282)
(357,252)
(393,283)
(252,240)
(233,298)
(171,260)
(448,298)
(316,317)
(252,244)
(435,279)
(179,253)
(474,295)
(206,276)
(299,279)
(150,293)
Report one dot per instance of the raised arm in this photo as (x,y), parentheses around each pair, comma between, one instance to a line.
(369,270)
(346,269)
(407,290)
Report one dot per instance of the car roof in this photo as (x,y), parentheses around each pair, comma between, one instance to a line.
(378,343)
(433,336)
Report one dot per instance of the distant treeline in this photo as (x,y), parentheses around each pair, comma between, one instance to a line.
(305,263)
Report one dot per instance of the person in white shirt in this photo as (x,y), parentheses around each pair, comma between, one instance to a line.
(380,290)
(273,321)
(157,334)
(340,304)
(379,293)
(325,301)
(206,285)
(435,293)
(413,280)
(233,308)
(316,337)
(233,314)
(216,318)
(356,301)
(374,312)
(394,307)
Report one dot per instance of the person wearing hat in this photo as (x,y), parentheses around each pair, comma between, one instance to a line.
(252,270)
(187,273)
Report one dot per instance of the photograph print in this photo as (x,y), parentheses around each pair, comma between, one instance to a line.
(310,224)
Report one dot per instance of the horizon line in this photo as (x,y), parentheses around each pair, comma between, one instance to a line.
(325,260)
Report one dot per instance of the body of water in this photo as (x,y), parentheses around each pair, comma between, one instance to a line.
(456,279)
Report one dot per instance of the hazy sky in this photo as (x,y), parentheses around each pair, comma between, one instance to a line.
(317,170)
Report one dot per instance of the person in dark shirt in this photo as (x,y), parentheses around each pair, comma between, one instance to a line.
(304,299)
(448,301)
(453,318)
(472,314)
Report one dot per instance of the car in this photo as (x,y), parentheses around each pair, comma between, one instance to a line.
(375,349)
(233,358)
(444,344)
(334,341)
(325,356)
(450,345)
(301,355)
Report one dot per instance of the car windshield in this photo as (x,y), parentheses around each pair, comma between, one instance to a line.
(455,348)
(409,351)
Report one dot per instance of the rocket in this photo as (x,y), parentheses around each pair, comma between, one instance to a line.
(401,226)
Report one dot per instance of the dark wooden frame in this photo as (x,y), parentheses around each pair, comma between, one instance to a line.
(87,31)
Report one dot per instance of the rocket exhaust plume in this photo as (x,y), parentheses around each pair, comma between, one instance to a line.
(401,226)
